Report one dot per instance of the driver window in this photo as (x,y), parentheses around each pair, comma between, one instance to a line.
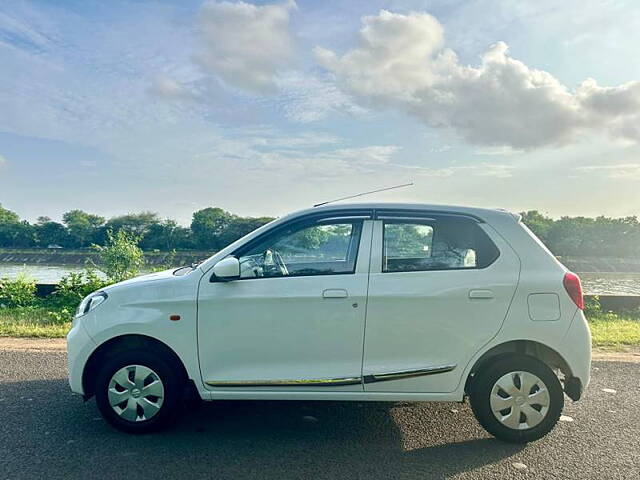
(304,249)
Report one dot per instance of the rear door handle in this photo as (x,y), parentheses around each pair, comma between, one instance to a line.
(480,293)
(335,293)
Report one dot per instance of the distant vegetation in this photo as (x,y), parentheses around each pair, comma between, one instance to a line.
(213,228)
(210,229)
(587,237)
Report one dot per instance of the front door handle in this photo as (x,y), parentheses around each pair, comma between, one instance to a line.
(335,293)
(480,293)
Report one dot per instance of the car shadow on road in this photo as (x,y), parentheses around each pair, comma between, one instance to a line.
(250,439)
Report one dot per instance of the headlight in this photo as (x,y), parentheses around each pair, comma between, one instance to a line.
(90,302)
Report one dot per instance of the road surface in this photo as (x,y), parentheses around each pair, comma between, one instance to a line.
(46,432)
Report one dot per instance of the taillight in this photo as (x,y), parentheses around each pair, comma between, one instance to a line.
(573,287)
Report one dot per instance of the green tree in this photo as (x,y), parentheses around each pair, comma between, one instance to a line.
(48,233)
(120,258)
(7,216)
(83,227)
(166,235)
(18,235)
(538,223)
(208,227)
(136,224)
(238,227)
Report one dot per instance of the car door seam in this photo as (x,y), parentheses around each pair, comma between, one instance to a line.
(366,300)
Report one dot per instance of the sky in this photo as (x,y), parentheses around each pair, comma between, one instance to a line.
(267,107)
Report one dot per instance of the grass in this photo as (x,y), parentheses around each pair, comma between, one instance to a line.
(607,329)
(31,322)
(611,330)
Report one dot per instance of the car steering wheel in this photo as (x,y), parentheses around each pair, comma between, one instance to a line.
(273,263)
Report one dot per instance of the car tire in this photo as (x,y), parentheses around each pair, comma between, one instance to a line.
(517,398)
(139,391)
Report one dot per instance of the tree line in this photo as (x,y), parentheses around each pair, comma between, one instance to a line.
(213,228)
(586,236)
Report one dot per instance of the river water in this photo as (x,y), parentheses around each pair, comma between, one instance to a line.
(593,283)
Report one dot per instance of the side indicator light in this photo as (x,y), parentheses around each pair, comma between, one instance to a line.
(174,318)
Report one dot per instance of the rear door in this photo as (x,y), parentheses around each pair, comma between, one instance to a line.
(439,288)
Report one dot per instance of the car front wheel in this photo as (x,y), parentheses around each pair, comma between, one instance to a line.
(138,391)
(517,398)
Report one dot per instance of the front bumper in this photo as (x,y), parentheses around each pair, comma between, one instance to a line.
(79,347)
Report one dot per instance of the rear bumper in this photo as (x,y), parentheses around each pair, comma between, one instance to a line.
(576,350)
(79,348)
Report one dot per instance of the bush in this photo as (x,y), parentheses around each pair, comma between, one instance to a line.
(73,287)
(121,258)
(592,306)
(19,292)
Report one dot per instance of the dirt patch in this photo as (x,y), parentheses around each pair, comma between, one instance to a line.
(629,354)
(51,344)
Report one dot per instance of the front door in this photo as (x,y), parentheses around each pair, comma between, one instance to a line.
(295,318)
(440,288)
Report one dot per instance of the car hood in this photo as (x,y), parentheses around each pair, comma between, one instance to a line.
(150,277)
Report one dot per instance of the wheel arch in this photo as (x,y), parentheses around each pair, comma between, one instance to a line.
(532,348)
(123,343)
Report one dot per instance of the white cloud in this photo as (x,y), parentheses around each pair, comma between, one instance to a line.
(627,171)
(166,87)
(307,98)
(3,161)
(501,150)
(246,45)
(401,62)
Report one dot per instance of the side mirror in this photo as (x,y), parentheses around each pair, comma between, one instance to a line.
(226,269)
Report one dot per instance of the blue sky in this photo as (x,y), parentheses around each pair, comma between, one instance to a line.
(265,107)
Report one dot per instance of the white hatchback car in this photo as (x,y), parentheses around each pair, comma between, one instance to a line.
(383,302)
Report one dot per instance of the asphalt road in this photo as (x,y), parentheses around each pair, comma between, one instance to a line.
(46,432)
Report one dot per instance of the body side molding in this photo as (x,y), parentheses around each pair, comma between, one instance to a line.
(332,382)
(323,382)
(383,377)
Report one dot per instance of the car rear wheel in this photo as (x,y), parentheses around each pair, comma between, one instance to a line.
(517,398)
(138,391)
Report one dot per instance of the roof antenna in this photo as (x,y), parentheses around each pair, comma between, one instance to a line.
(365,193)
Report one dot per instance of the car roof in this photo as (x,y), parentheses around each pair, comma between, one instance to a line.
(481,213)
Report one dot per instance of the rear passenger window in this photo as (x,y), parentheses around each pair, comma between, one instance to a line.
(446,243)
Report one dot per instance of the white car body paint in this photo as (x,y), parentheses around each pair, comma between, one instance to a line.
(315,329)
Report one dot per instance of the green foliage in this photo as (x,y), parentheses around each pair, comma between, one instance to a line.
(583,236)
(592,306)
(215,228)
(208,226)
(135,224)
(83,227)
(121,258)
(19,292)
(73,287)
(7,216)
(33,322)
(166,235)
(51,233)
